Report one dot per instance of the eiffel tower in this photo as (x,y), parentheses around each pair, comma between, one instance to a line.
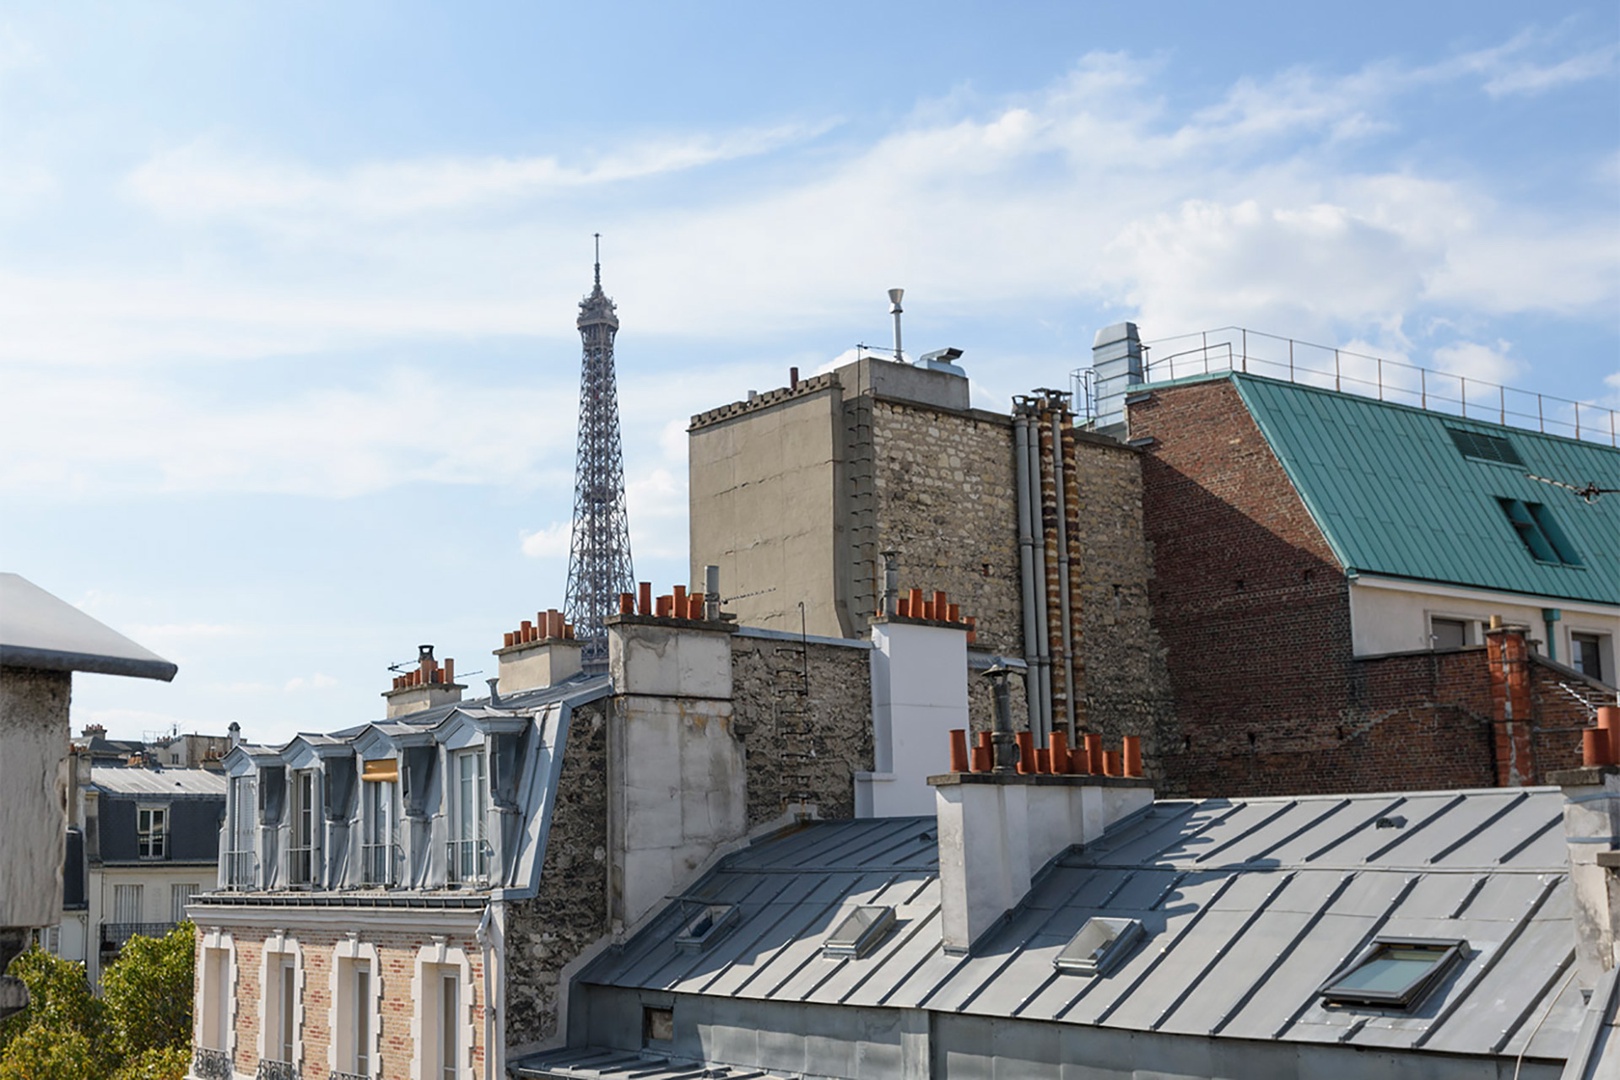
(599,566)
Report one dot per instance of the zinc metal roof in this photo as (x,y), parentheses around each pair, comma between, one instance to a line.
(39,631)
(1248,907)
(1394,494)
(168,783)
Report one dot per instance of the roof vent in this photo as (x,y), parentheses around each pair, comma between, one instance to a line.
(860,931)
(1099,946)
(706,927)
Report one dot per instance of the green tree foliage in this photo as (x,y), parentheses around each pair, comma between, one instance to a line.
(139,1030)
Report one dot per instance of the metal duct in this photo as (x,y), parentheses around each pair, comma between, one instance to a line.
(1041,686)
(1026,559)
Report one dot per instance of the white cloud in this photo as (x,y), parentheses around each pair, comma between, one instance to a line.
(1532,78)
(551,542)
(1473,360)
(316,681)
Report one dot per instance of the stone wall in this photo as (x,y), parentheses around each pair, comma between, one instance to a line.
(801,747)
(570,912)
(946,502)
(33,776)
(1124,681)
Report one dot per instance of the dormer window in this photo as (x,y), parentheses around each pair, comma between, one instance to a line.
(152,832)
(377,850)
(1394,972)
(469,801)
(241,811)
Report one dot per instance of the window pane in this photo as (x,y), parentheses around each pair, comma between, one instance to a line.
(1391,972)
(1449,633)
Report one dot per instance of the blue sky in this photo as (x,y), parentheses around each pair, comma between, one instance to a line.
(288,291)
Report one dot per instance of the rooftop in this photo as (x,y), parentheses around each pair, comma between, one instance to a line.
(39,631)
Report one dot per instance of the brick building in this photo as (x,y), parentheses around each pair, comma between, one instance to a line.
(1328,568)
(406,898)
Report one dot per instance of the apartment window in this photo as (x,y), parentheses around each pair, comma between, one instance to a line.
(179,897)
(376,832)
(152,832)
(469,859)
(1448,633)
(216,998)
(127,903)
(301,841)
(286,1020)
(449,1028)
(1539,532)
(242,815)
(1586,654)
(1393,972)
(356,1016)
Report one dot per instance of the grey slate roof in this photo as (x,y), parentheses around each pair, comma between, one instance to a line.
(1249,906)
(39,631)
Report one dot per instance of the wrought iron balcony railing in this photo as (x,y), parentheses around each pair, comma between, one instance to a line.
(338,1074)
(114,935)
(378,863)
(469,861)
(301,866)
(276,1070)
(241,870)
(207,1064)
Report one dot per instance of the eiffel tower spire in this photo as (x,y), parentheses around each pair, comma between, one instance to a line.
(599,566)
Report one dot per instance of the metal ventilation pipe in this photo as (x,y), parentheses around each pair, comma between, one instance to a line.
(1026,560)
(1043,654)
(891,583)
(711,593)
(895,309)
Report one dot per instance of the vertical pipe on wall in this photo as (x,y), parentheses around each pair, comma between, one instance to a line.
(1040,674)
(1075,641)
(1051,558)
(1066,660)
(1026,557)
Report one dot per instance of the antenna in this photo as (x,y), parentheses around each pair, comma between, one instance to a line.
(895,309)
(598,239)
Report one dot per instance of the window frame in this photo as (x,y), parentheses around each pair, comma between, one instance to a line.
(1449,952)
(1538,530)
(1109,952)
(302,822)
(152,841)
(1603,645)
(468,797)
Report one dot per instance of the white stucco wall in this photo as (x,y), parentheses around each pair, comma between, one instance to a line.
(1390,616)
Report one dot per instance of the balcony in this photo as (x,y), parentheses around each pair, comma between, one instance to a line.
(338,1074)
(300,866)
(469,862)
(378,863)
(276,1070)
(209,1064)
(115,935)
(241,870)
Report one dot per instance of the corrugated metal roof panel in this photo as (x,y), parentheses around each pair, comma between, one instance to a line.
(1394,495)
(1247,907)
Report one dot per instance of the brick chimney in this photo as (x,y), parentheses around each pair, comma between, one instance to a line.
(424,686)
(539,654)
(1507,649)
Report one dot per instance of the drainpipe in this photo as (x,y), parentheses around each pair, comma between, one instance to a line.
(1026,556)
(1043,656)
(1063,571)
(891,583)
(486,942)
(1550,616)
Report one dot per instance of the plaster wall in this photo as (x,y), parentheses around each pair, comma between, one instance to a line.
(1394,616)
(764,491)
(919,693)
(33,777)
(536,664)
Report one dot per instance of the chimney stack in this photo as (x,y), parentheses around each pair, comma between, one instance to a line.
(1592,831)
(539,654)
(425,686)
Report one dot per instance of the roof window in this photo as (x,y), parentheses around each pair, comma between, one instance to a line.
(1482,447)
(1539,532)
(1393,972)
(860,931)
(1098,946)
(706,927)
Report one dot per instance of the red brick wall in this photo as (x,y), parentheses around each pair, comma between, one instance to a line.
(1255,617)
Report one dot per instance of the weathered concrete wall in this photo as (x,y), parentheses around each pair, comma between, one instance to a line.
(801,746)
(570,912)
(33,780)
(764,487)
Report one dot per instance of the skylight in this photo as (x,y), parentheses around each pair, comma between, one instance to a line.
(860,932)
(1098,946)
(1482,447)
(1393,972)
(706,927)
(1539,531)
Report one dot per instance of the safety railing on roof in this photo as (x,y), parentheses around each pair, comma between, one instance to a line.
(241,870)
(1233,348)
(468,861)
(377,863)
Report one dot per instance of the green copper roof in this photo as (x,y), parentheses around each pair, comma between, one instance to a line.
(1409,493)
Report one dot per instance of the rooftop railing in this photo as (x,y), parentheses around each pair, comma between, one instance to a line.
(1233,348)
